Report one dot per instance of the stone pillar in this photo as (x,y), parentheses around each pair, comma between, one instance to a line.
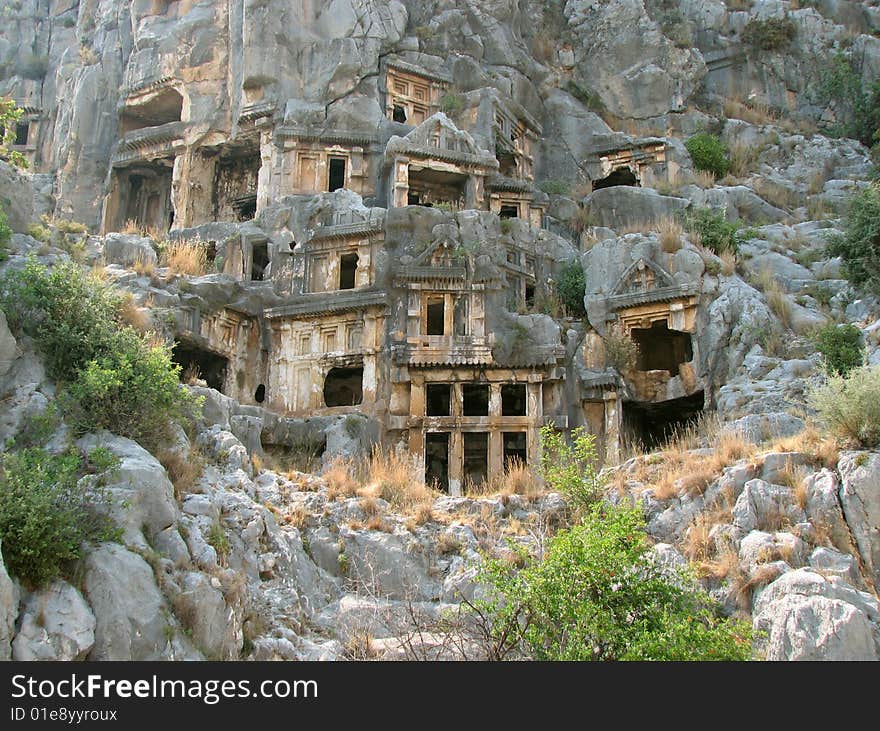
(612,427)
(496,454)
(456,463)
(399,184)
(456,399)
(494,399)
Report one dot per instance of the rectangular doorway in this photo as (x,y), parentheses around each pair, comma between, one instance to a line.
(437,460)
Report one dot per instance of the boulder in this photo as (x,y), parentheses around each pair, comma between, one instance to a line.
(805,616)
(8,610)
(202,608)
(8,346)
(762,505)
(622,205)
(860,498)
(142,500)
(128,250)
(132,620)
(56,624)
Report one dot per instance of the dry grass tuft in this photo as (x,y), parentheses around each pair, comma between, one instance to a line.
(297,517)
(184,470)
(671,232)
(370,506)
(728,262)
(704,179)
(145,267)
(823,448)
(396,478)
(339,479)
(359,646)
(752,111)
(132,315)
(377,522)
(518,479)
(742,159)
(777,299)
(448,544)
(189,258)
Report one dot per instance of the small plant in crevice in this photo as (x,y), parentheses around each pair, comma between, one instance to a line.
(571,287)
(709,153)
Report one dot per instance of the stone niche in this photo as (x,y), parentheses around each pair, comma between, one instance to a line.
(26,135)
(140,196)
(339,262)
(153,106)
(236,177)
(315,163)
(437,164)
(645,163)
(411,94)
(223,348)
(321,358)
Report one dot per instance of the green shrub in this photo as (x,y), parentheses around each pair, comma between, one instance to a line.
(708,153)
(9,116)
(621,351)
(5,235)
(571,286)
(45,514)
(111,376)
(570,467)
(850,405)
(38,232)
(841,347)
(451,103)
(554,187)
(597,595)
(715,231)
(859,246)
(769,34)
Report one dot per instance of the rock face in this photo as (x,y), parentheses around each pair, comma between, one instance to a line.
(809,618)
(8,610)
(860,498)
(56,624)
(365,223)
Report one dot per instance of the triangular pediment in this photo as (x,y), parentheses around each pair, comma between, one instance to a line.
(643,275)
(438,254)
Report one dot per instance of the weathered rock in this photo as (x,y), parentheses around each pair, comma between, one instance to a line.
(8,346)
(56,624)
(8,610)
(860,498)
(133,621)
(141,495)
(762,505)
(128,250)
(806,617)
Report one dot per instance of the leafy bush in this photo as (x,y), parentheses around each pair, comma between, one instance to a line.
(45,514)
(841,347)
(715,231)
(597,595)
(571,468)
(5,235)
(621,351)
(571,286)
(708,153)
(856,108)
(451,103)
(859,246)
(554,187)
(850,405)
(112,376)
(9,116)
(769,34)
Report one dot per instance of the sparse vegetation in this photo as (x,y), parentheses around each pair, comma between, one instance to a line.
(859,246)
(9,116)
(188,258)
(554,187)
(857,108)
(112,376)
(769,34)
(715,232)
(850,405)
(621,351)
(570,467)
(451,103)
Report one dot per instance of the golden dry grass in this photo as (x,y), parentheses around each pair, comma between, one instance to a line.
(704,179)
(777,300)
(132,315)
(144,267)
(377,522)
(184,470)
(518,479)
(396,478)
(742,159)
(670,231)
(728,263)
(339,479)
(188,258)
(823,448)
(752,111)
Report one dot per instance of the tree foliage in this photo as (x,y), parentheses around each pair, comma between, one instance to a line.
(571,287)
(859,246)
(841,347)
(9,116)
(598,594)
